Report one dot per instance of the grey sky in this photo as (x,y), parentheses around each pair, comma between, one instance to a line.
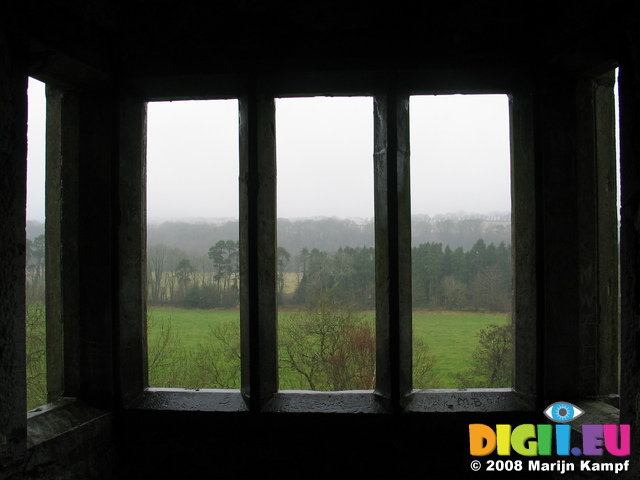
(459,156)
(325,157)
(192,160)
(35,151)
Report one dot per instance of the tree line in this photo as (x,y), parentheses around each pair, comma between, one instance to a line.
(209,280)
(454,279)
(443,278)
(34,274)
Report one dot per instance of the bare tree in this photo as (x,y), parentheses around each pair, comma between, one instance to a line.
(167,360)
(489,290)
(329,347)
(453,292)
(36,355)
(283,262)
(183,273)
(425,374)
(157,262)
(217,362)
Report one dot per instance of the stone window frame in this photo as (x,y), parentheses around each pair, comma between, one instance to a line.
(259,393)
(393,392)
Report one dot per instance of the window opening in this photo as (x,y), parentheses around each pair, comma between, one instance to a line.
(461,241)
(326,258)
(192,244)
(35,265)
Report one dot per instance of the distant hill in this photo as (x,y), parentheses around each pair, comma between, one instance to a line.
(329,234)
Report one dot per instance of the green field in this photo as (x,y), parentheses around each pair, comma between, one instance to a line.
(451,336)
(192,325)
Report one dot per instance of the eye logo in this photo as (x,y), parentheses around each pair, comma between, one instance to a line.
(563,412)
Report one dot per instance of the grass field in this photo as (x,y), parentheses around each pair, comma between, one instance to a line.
(451,336)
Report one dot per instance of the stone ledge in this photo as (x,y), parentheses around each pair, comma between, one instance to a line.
(58,418)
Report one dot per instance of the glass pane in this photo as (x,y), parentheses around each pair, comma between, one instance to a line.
(35,273)
(461,252)
(192,244)
(326,243)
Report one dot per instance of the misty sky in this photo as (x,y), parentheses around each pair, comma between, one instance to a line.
(35,151)
(459,156)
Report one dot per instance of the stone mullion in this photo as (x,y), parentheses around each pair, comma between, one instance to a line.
(393,246)
(258,306)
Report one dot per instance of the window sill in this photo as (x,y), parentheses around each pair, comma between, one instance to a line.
(468,400)
(353,401)
(64,435)
(179,399)
(292,401)
(55,419)
(307,401)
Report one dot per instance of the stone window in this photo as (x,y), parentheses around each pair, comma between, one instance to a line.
(534,205)
(394,388)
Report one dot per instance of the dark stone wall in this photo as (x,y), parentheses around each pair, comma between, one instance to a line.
(290,445)
(630,212)
(13,144)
